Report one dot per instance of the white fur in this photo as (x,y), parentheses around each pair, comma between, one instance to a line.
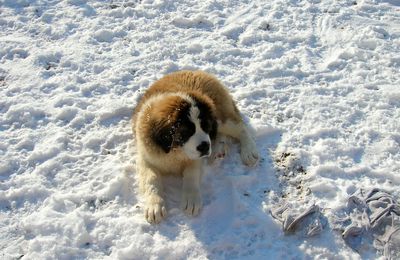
(190,147)
(248,148)
(219,148)
(151,187)
(149,175)
(191,195)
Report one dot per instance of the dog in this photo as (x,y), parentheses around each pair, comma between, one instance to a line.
(183,119)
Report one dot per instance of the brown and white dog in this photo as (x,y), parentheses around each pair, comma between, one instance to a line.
(182,119)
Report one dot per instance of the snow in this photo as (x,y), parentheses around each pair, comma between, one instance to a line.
(317,80)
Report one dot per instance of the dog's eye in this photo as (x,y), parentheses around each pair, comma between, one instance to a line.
(184,132)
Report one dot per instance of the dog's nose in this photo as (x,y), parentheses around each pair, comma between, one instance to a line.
(203,148)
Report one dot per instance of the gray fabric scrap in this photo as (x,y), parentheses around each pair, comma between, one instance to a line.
(390,242)
(309,221)
(370,221)
(371,217)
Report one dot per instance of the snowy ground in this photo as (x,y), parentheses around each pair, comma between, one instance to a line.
(318,81)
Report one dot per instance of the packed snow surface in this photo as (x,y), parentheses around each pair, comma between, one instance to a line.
(318,81)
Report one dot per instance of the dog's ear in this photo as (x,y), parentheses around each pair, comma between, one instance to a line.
(207,115)
(162,134)
(214,128)
(209,125)
(165,117)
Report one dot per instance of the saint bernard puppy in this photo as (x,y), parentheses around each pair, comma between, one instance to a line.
(182,119)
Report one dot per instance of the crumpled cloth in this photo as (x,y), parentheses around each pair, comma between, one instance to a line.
(390,242)
(371,216)
(369,221)
(308,221)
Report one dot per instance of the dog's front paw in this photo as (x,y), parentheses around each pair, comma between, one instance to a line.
(219,151)
(249,153)
(191,202)
(155,210)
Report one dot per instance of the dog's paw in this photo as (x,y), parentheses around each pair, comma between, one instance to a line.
(155,211)
(219,151)
(249,153)
(191,202)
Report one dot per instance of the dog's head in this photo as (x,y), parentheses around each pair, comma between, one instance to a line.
(184,122)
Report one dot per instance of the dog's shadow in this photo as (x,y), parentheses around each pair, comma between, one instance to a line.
(233,222)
